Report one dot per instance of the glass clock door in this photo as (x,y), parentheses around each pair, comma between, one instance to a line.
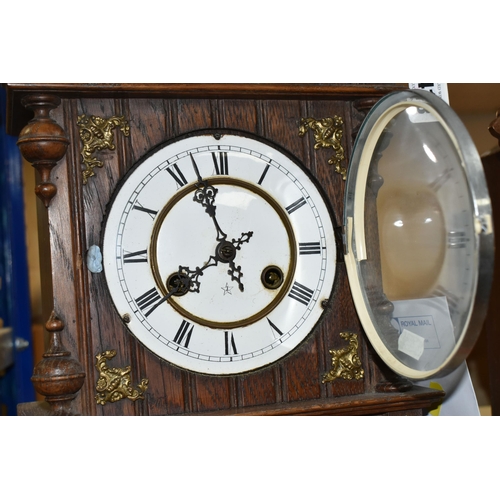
(419,234)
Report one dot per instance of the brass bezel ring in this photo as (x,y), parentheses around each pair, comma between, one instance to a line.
(280,291)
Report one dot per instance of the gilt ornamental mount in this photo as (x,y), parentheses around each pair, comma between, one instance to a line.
(327,133)
(96,134)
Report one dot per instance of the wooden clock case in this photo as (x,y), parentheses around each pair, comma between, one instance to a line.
(82,322)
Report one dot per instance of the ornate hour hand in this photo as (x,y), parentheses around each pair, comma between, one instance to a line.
(226,252)
(236,274)
(188,280)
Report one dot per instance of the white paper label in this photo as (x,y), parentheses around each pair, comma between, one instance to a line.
(411,344)
(439,89)
(429,319)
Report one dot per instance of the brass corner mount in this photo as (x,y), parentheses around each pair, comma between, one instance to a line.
(96,134)
(328,133)
(346,363)
(114,384)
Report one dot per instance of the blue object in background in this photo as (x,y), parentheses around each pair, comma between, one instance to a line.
(15,384)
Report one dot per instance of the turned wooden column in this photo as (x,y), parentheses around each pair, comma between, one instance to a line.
(58,376)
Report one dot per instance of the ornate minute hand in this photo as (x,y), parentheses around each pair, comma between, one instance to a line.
(205,195)
(226,251)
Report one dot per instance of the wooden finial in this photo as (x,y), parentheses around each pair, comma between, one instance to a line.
(43,142)
(58,376)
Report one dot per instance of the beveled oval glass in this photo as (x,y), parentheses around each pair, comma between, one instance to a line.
(419,234)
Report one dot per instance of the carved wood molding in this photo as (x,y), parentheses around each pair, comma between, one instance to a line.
(363,106)
(17,115)
(43,142)
(58,376)
(417,398)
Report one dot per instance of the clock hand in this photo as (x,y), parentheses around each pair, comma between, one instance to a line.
(242,239)
(177,282)
(226,251)
(205,195)
(236,274)
(187,280)
(191,277)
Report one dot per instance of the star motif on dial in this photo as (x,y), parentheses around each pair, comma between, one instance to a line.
(227,289)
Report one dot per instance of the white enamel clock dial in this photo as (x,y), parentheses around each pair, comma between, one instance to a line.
(219,253)
(419,234)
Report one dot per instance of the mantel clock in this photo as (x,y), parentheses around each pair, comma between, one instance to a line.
(252,249)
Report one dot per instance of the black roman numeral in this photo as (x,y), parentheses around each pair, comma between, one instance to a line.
(296,205)
(274,327)
(309,248)
(261,180)
(195,167)
(140,256)
(221,166)
(229,344)
(184,332)
(301,293)
(151,213)
(457,239)
(178,176)
(149,301)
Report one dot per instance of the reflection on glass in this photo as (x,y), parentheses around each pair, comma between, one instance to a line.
(412,240)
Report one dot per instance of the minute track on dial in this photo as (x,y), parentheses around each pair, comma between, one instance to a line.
(213,219)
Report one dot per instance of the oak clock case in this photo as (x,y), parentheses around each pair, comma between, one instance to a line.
(219,252)
(167,211)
